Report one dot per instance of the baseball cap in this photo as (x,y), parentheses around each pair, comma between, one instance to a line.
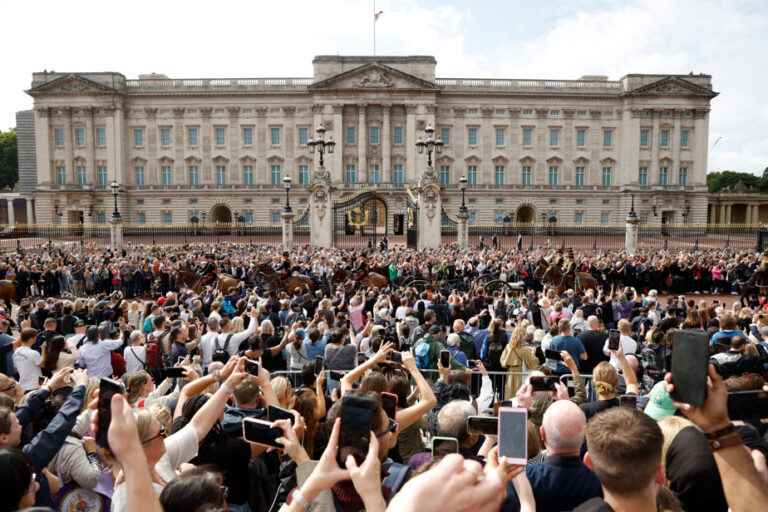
(660,404)
(435,329)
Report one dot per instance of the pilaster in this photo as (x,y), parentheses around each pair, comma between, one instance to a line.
(362,143)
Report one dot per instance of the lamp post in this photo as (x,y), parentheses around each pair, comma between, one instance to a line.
(463,188)
(632,230)
(462,236)
(321,145)
(430,144)
(115,186)
(287,186)
(116,231)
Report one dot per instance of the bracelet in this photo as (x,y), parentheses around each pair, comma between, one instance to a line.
(297,497)
(728,429)
(726,441)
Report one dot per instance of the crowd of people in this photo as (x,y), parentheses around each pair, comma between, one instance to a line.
(356,390)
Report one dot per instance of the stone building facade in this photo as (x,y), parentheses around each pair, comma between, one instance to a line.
(219,148)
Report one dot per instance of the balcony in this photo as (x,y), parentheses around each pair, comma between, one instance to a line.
(500,84)
(154,85)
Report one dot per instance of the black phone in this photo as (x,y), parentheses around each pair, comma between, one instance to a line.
(252,367)
(389,404)
(395,357)
(445,358)
(173,373)
(261,432)
(628,401)
(513,434)
(442,446)
(748,405)
(553,354)
(334,375)
(484,425)
(356,418)
(275,413)
(319,365)
(107,389)
(613,339)
(543,383)
(690,361)
(475,384)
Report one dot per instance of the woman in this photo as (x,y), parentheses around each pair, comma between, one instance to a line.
(494,346)
(605,380)
(141,391)
(19,484)
(58,354)
(96,352)
(453,341)
(517,358)
(135,354)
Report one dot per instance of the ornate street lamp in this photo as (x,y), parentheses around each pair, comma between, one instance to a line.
(321,145)
(463,188)
(287,186)
(632,215)
(430,144)
(115,186)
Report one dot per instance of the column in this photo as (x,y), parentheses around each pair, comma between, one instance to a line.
(462,233)
(338,136)
(30,211)
(632,223)
(43,141)
(11,213)
(486,142)
(675,144)
(90,143)
(721,217)
(261,144)
(410,143)
(728,213)
(116,234)
(700,146)
(116,139)
(386,156)
(362,143)
(69,146)
(179,139)
(653,179)
(287,217)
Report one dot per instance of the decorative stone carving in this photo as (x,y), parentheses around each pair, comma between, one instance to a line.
(178,112)
(514,113)
(261,111)
(205,112)
(151,112)
(233,111)
(289,111)
(542,113)
(321,202)
(487,112)
(376,78)
(430,202)
(42,112)
(318,108)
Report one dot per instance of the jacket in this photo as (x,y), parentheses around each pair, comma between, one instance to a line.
(72,463)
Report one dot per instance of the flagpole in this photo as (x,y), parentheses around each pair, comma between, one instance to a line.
(374,28)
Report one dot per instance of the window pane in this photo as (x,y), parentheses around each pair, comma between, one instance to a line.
(472,136)
(350,134)
(554,137)
(684,138)
(374,135)
(247,136)
(275,135)
(499,136)
(607,137)
(303,135)
(445,135)
(499,175)
(581,137)
(398,135)
(101,136)
(275,175)
(527,136)
(138,137)
(192,136)
(220,131)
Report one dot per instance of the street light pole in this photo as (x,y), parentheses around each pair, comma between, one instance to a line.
(463,188)
(287,186)
(321,145)
(115,186)
(430,144)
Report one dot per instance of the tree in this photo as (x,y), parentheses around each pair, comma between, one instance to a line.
(719,181)
(9,162)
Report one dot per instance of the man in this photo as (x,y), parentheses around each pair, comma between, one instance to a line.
(565,341)
(79,337)
(49,325)
(562,481)
(27,361)
(452,422)
(628,345)
(427,350)
(6,349)
(248,404)
(728,329)
(467,341)
(593,340)
(208,272)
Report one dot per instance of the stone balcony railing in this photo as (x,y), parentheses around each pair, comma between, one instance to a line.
(581,86)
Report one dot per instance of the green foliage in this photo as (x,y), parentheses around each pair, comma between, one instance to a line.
(720,181)
(9,164)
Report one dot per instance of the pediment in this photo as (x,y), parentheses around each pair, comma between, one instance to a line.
(72,84)
(672,86)
(373,76)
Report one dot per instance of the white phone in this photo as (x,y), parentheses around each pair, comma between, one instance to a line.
(513,434)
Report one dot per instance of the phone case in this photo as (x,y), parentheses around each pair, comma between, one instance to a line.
(690,360)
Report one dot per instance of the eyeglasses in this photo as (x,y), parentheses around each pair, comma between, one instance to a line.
(11,386)
(160,434)
(391,427)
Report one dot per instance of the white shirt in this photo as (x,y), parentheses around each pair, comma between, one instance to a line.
(208,341)
(96,358)
(627,344)
(135,358)
(27,362)
(400,312)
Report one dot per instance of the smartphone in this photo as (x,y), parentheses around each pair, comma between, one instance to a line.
(445,358)
(252,367)
(334,375)
(395,357)
(107,389)
(472,364)
(484,425)
(173,373)
(507,403)
(389,404)
(689,366)
(442,446)
(748,405)
(356,419)
(275,413)
(475,384)
(613,339)
(553,354)
(543,383)
(261,432)
(513,434)
(319,365)
(628,401)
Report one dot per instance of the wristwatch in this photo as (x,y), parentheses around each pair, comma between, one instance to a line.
(724,438)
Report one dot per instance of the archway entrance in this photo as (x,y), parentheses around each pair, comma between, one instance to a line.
(359,221)
(525,214)
(221,214)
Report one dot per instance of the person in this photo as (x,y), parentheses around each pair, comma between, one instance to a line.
(593,340)
(628,345)
(6,349)
(565,341)
(95,354)
(27,360)
(19,483)
(517,358)
(453,342)
(57,354)
(605,380)
(135,354)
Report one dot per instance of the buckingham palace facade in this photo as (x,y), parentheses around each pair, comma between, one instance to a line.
(218,149)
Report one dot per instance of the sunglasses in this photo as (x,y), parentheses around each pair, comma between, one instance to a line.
(391,428)
(160,434)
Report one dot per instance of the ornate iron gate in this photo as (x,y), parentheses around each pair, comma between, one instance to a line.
(360,222)
(412,228)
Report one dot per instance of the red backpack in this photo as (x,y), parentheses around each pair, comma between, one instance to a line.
(153,353)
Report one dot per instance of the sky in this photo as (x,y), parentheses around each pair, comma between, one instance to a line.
(562,39)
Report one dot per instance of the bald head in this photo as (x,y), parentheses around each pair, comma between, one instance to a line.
(593,323)
(563,427)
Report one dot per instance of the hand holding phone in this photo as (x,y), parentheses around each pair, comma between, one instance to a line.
(275,413)
(543,383)
(107,389)
(319,365)
(261,432)
(442,446)
(690,361)
(389,404)
(513,434)
(445,359)
(614,337)
(252,367)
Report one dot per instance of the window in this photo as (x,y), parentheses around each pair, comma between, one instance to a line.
(684,136)
(445,175)
(553,171)
(682,176)
(58,136)
(607,137)
(138,136)
(221,175)
(141,218)
(165,136)
(194,175)
(526,177)
(82,177)
(248,216)
(101,136)
(664,138)
(275,172)
(192,136)
(303,135)
(499,175)
(663,176)
(398,135)
(581,137)
(645,135)
(350,176)
(219,133)
(350,135)
(578,218)
(527,136)
(304,175)
(138,172)
(499,136)
(276,217)
(472,175)
(580,176)
(472,218)
(472,136)
(80,136)
(375,176)
(247,135)
(101,217)
(274,135)
(167,217)
(101,175)
(398,174)
(248,175)
(642,177)
(554,136)
(445,135)
(605,217)
(607,176)
(167,175)
(374,137)
(498,217)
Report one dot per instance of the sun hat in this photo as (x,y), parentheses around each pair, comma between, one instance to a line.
(660,404)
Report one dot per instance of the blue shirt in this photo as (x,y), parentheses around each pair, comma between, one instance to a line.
(458,356)
(725,336)
(315,349)
(570,344)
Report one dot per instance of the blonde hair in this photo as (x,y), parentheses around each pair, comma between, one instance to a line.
(518,335)
(143,424)
(605,379)
(134,384)
(670,427)
(283,389)
(237,324)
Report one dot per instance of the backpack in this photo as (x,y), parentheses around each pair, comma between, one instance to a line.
(220,354)
(421,354)
(153,353)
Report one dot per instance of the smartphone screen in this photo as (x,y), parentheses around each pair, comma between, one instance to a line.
(445,358)
(395,357)
(628,401)
(543,383)
(475,384)
(107,389)
(484,425)
(513,434)
(613,339)
(252,367)
(442,446)
(553,354)
(356,418)
(334,375)
(689,366)
(275,413)
(389,404)
(261,432)
(173,373)
(319,363)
